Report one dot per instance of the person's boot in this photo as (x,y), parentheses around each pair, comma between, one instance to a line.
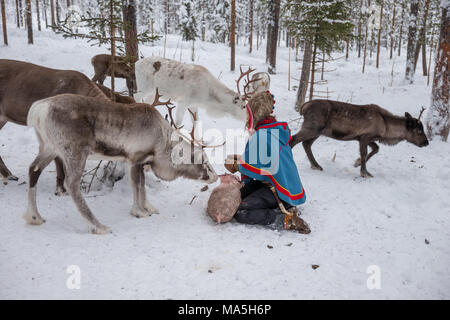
(295,223)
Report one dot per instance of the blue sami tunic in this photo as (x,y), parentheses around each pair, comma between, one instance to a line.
(268,157)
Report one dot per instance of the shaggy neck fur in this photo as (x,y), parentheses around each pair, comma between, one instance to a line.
(395,130)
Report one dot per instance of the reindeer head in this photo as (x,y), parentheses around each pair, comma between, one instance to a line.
(262,82)
(241,99)
(414,130)
(188,154)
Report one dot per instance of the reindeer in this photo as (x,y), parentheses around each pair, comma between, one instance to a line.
(117,97)
(365,123)
(261,82)
(22,83)
(190,85)
(102,68)
(75,128)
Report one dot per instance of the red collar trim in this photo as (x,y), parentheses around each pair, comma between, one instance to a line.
(265,121)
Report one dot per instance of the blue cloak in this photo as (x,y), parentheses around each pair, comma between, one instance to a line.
(268,157)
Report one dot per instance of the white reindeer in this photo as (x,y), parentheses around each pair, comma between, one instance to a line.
(75,128)
(262,82)
(191,86)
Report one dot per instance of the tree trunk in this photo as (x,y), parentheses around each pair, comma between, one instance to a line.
(113,49)
(431,54)
(392,31)
(400,38)
(313,69)
(412,35)
(275,21)
(304,79)
(268,41)
(29,22)
(438,117)
(17,14)
(203,20)
(5,33)
(52,9)
(58,12)
(233,35)
(38,15)
(365,46)
(347,47)
(379,35)
(131,42)
(21,13)
(45,13)
(250,37)
(421,44)
(360,28)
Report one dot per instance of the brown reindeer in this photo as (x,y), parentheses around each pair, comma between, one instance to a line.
(74,128)
(102,68)
(365,123)
(22,83)
(117,97)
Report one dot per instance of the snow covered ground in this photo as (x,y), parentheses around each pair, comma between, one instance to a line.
(398,221)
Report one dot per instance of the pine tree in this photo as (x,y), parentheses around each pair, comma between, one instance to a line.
(219,21)
(272,40)
(188,20)
(107,29)
(326,23)
(438,118)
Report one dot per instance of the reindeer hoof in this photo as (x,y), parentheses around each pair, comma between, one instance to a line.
(33,218)
(12,178)
(100,229)
(139,213)
(316,167)
(366,174)
(357,162)
(150,209)
(60,191)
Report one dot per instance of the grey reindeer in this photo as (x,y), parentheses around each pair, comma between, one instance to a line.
(364,123)
(75,128)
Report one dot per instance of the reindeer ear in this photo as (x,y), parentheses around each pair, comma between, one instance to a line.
(409,122)
(408,115)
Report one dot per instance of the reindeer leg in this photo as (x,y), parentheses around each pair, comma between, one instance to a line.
(101,78)
(143,197)
(307,146)
(363,152)
(32,215)
(130,87)
(374,151)
(4,172)
(60,176)
(137,183)
(74,167)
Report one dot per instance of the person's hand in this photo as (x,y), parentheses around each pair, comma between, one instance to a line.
(232,163)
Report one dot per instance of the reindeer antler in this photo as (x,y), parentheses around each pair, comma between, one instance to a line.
(192,134)
(172,122)
(156,102)
(246,74)
(421,112)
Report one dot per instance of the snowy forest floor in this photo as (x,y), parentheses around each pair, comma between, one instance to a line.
(399,220)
